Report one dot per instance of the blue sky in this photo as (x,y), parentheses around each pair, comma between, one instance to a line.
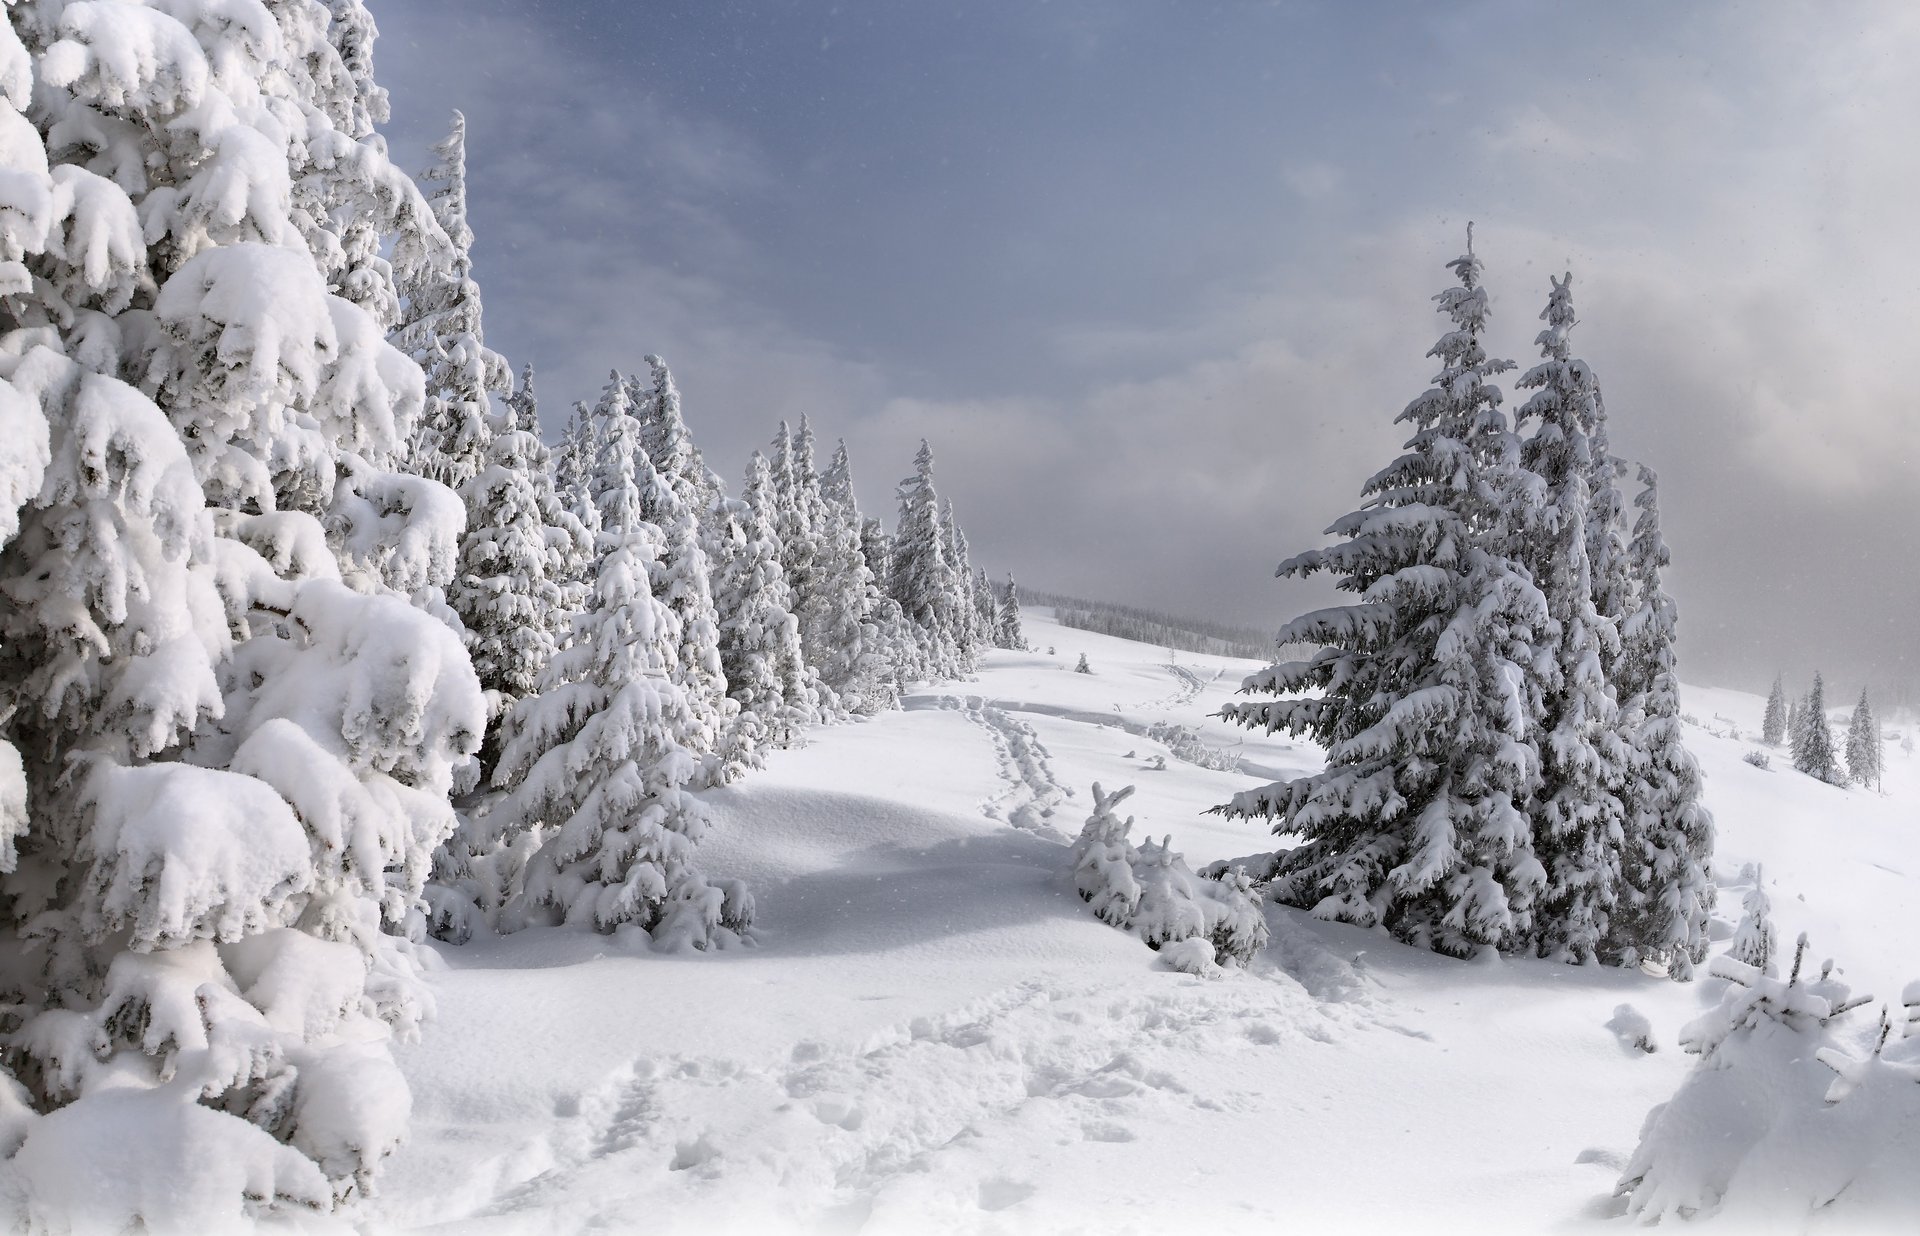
(1153,277)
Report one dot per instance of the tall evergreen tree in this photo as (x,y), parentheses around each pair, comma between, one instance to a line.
(1421,694)
(598,763)
(1794,717)
(857,662)
(1773,727)
(1813,751)
(1008,621)
(968,635)
(1863,744)
(442,330)
(1576,811)
(232,766)
(766,671)
(923,580)
(504,588)
(1668,884)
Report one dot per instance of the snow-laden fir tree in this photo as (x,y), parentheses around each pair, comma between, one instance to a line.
(970,637)
(1863,744)
(923,579)
(599,763)
(1081,666)
(1755,942)
(766,672)
(1793,725)
(443,331)
(1773,727)
(857,626)
(1577,814)
(1423,698)
(1007,626)
(986,609)
(682,578)
(1667,855)
(232,766)
(668,442)
(1103,860)
(1607,535)
(504,588)
(570,547)
(1813,751)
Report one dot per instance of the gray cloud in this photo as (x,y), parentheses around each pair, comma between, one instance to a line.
(1156,283)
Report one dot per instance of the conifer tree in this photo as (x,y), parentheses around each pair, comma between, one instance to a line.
(1417,823)
(682,579)
(232,766)
(923,579)
(598,764)
(986,609)
(504,588)
(1863,744)
(1773,727)
(1813,751)
(857,661)
(1009,620)
(442,330)
(967,632)
(1577,814)
(1794,715)
(766,671)
(1668,844)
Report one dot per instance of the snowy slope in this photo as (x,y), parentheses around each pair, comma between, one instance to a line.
(933,1035)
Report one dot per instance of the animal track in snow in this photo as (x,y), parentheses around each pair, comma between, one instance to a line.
(1029,793)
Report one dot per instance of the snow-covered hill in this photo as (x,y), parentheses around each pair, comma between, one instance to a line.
(934,1035)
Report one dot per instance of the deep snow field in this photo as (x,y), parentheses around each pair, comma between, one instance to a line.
(934,1035)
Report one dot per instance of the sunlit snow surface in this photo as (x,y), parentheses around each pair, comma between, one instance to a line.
(934,1035)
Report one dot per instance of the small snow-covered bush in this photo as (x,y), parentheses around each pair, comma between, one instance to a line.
(1789,1112)
(1185,744)
(1082,667)
(1758,759)
(1151,892)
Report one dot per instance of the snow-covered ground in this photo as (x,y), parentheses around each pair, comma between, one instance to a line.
(934,1035)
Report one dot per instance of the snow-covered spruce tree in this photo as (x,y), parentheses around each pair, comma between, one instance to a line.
(1755,943)
(1793,725)
(1607,537)
(1773,727)
(766,672)
(504,588)
(859,662)
(1863,744)
(1576,811)
(1668,849)
(923,579)
(1081,666)
(986,609)
(232,767)
(1007,632)
(968,635)
(570,548)
(682,579)
(598,764)
(1813,751)
(1425,702)
(441,328)
(1103,860)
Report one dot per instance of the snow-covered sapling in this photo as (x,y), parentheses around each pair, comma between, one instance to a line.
(1103,860)
(1082,667)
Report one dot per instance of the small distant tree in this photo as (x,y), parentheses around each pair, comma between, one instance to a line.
(1774,728)
(1813,751)
(1793,724)
(1863,744)
(1009,634)
(1083,667)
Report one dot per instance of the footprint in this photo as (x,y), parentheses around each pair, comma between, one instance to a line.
(1000,1193)
(1107,1133)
